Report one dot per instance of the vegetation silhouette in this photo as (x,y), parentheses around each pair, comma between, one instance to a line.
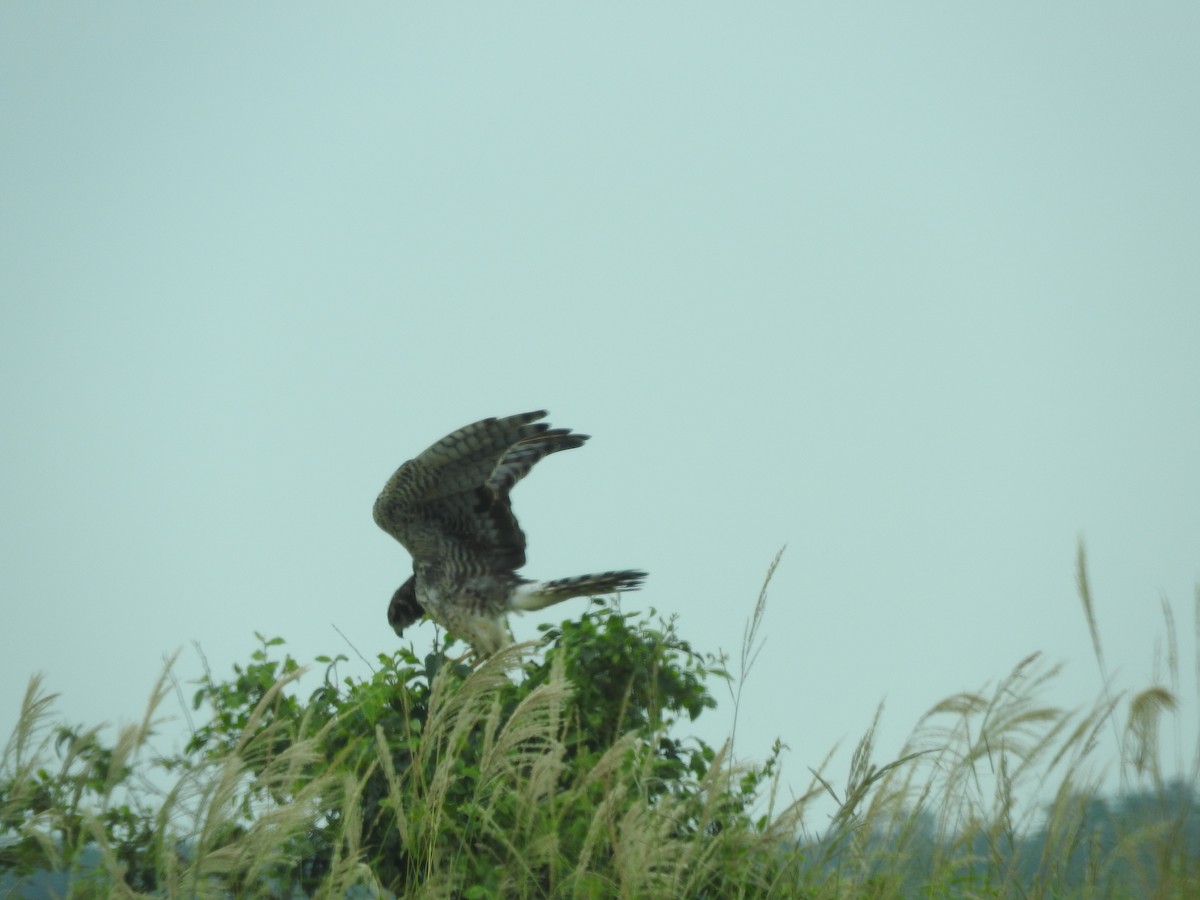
(557,769)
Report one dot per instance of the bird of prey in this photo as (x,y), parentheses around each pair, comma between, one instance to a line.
(450,509)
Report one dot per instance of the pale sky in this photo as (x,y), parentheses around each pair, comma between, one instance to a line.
(913,289)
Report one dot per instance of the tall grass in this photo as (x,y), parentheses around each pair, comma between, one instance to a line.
(450,782)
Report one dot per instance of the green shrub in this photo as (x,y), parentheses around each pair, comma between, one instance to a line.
(557,769)
(537,774)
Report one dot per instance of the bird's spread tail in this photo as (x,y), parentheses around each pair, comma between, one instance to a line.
(540,594)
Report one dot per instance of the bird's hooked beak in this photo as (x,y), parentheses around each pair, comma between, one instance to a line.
(404,608)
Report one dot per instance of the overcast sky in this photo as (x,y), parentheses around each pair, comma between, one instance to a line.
(913,289)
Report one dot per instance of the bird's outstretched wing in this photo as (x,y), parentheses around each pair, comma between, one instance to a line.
(452,500)
(521,457)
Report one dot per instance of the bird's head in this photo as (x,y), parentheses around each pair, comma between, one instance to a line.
(404,608)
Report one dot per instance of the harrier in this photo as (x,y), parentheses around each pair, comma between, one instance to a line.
(450,509)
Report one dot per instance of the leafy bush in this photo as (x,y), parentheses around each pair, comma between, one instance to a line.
(551,774)
(556,769)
